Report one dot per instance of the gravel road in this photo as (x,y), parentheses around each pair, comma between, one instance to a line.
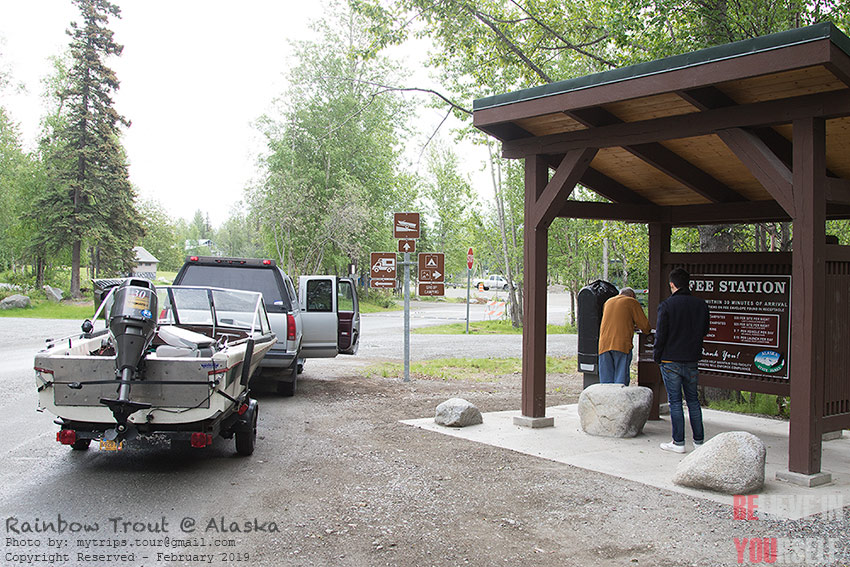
(346,484)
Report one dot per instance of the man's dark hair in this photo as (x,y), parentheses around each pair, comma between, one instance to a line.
(680,278)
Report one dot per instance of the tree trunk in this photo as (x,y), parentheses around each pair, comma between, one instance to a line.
(75,270)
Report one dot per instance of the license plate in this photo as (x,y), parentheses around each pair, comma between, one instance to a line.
(111,445)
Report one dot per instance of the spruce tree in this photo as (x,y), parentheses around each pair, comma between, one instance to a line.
(90,202)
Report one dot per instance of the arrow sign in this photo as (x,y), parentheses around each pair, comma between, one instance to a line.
(431,267)
(407,246)
(383,269)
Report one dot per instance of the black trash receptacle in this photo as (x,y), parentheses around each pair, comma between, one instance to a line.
(590,300)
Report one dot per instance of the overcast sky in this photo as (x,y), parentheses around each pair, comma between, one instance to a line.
(194,76)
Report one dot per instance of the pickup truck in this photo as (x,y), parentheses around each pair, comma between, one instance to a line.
(491,282)
(322,323)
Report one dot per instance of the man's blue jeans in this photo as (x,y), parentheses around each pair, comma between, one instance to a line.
(614,367)
(682,377)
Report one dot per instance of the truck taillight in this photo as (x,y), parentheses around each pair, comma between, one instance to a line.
(290,327)
(66,436)
(267,262)
(193,258)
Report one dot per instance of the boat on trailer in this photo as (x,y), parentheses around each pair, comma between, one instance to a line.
(170,361)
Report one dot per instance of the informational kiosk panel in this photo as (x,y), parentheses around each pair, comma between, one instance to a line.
(750,323)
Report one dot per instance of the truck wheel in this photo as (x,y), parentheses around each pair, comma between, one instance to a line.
(287,388)
(246,440)
(81,444)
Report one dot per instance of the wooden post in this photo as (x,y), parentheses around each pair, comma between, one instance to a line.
(659,244)
(534,296)
(807,296)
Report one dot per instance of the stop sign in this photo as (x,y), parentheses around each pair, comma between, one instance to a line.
(469,258)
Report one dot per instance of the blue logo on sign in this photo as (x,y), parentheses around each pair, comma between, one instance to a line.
(146,313)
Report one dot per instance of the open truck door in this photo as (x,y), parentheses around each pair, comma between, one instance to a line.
(330,314)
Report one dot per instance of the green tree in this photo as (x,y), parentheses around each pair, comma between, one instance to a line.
(160,236)
(451,208)
(331,173)
(89,199)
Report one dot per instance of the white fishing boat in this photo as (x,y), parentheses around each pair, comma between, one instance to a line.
(169,361)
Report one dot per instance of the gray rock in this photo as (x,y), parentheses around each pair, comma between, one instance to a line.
(457,412)
(54,294)
(15,302)
(614,410)
(732,463)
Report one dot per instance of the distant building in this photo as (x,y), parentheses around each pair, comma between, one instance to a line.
(146,264)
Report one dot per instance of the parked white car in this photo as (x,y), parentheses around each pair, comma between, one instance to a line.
(491,282)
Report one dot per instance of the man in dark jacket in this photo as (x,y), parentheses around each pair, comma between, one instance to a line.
(682,323)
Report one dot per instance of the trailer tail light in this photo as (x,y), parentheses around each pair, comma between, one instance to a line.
(242,409)
(290,327)
(201,440)
(66,436)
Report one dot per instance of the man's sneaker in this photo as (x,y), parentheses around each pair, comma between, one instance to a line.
(697,443)
(673,448)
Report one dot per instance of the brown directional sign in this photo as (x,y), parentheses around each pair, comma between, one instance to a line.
(431,288)
(431,266)
(383,269)
(407,246)
(406,225)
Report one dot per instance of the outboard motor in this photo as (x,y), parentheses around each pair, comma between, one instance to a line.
(132,323)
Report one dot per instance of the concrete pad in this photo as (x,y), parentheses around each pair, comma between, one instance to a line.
(640,459)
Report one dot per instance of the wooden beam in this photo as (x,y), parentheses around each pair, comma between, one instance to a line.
(838,190)
(611,189)
(613,211)
(558,189)
(728,213)
(763,164)
(839,64)
(825,105)
(796,56)
(659,245)
(681,215)
(808,273)
(535,248)
(663,159)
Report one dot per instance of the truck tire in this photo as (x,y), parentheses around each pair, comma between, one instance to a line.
(286,388)
(246,440)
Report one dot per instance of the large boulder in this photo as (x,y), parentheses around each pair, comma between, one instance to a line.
(54,294)
(16,301)
(614,410)
(732,463)
(457,412)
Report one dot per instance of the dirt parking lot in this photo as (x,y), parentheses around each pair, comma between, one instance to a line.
(357,487)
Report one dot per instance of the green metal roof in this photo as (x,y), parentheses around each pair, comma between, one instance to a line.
(761,44)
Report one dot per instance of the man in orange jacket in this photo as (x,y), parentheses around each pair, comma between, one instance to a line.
(620,315)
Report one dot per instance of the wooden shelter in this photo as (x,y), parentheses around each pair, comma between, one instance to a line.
(753,131)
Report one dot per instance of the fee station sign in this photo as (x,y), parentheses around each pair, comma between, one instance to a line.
(750,323)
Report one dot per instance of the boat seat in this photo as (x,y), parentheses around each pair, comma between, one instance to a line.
(183,338)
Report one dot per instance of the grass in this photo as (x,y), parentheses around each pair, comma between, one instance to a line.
(49,310)
(763,404)
(493,327)
(475,369)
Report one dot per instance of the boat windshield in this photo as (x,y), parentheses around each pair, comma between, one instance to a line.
(189,305)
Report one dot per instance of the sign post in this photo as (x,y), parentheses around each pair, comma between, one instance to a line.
(469,260)
(406,226)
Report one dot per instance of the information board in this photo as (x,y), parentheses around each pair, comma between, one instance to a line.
(750,323)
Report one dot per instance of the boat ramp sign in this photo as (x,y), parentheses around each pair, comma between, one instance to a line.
(383,269)
(406,225)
